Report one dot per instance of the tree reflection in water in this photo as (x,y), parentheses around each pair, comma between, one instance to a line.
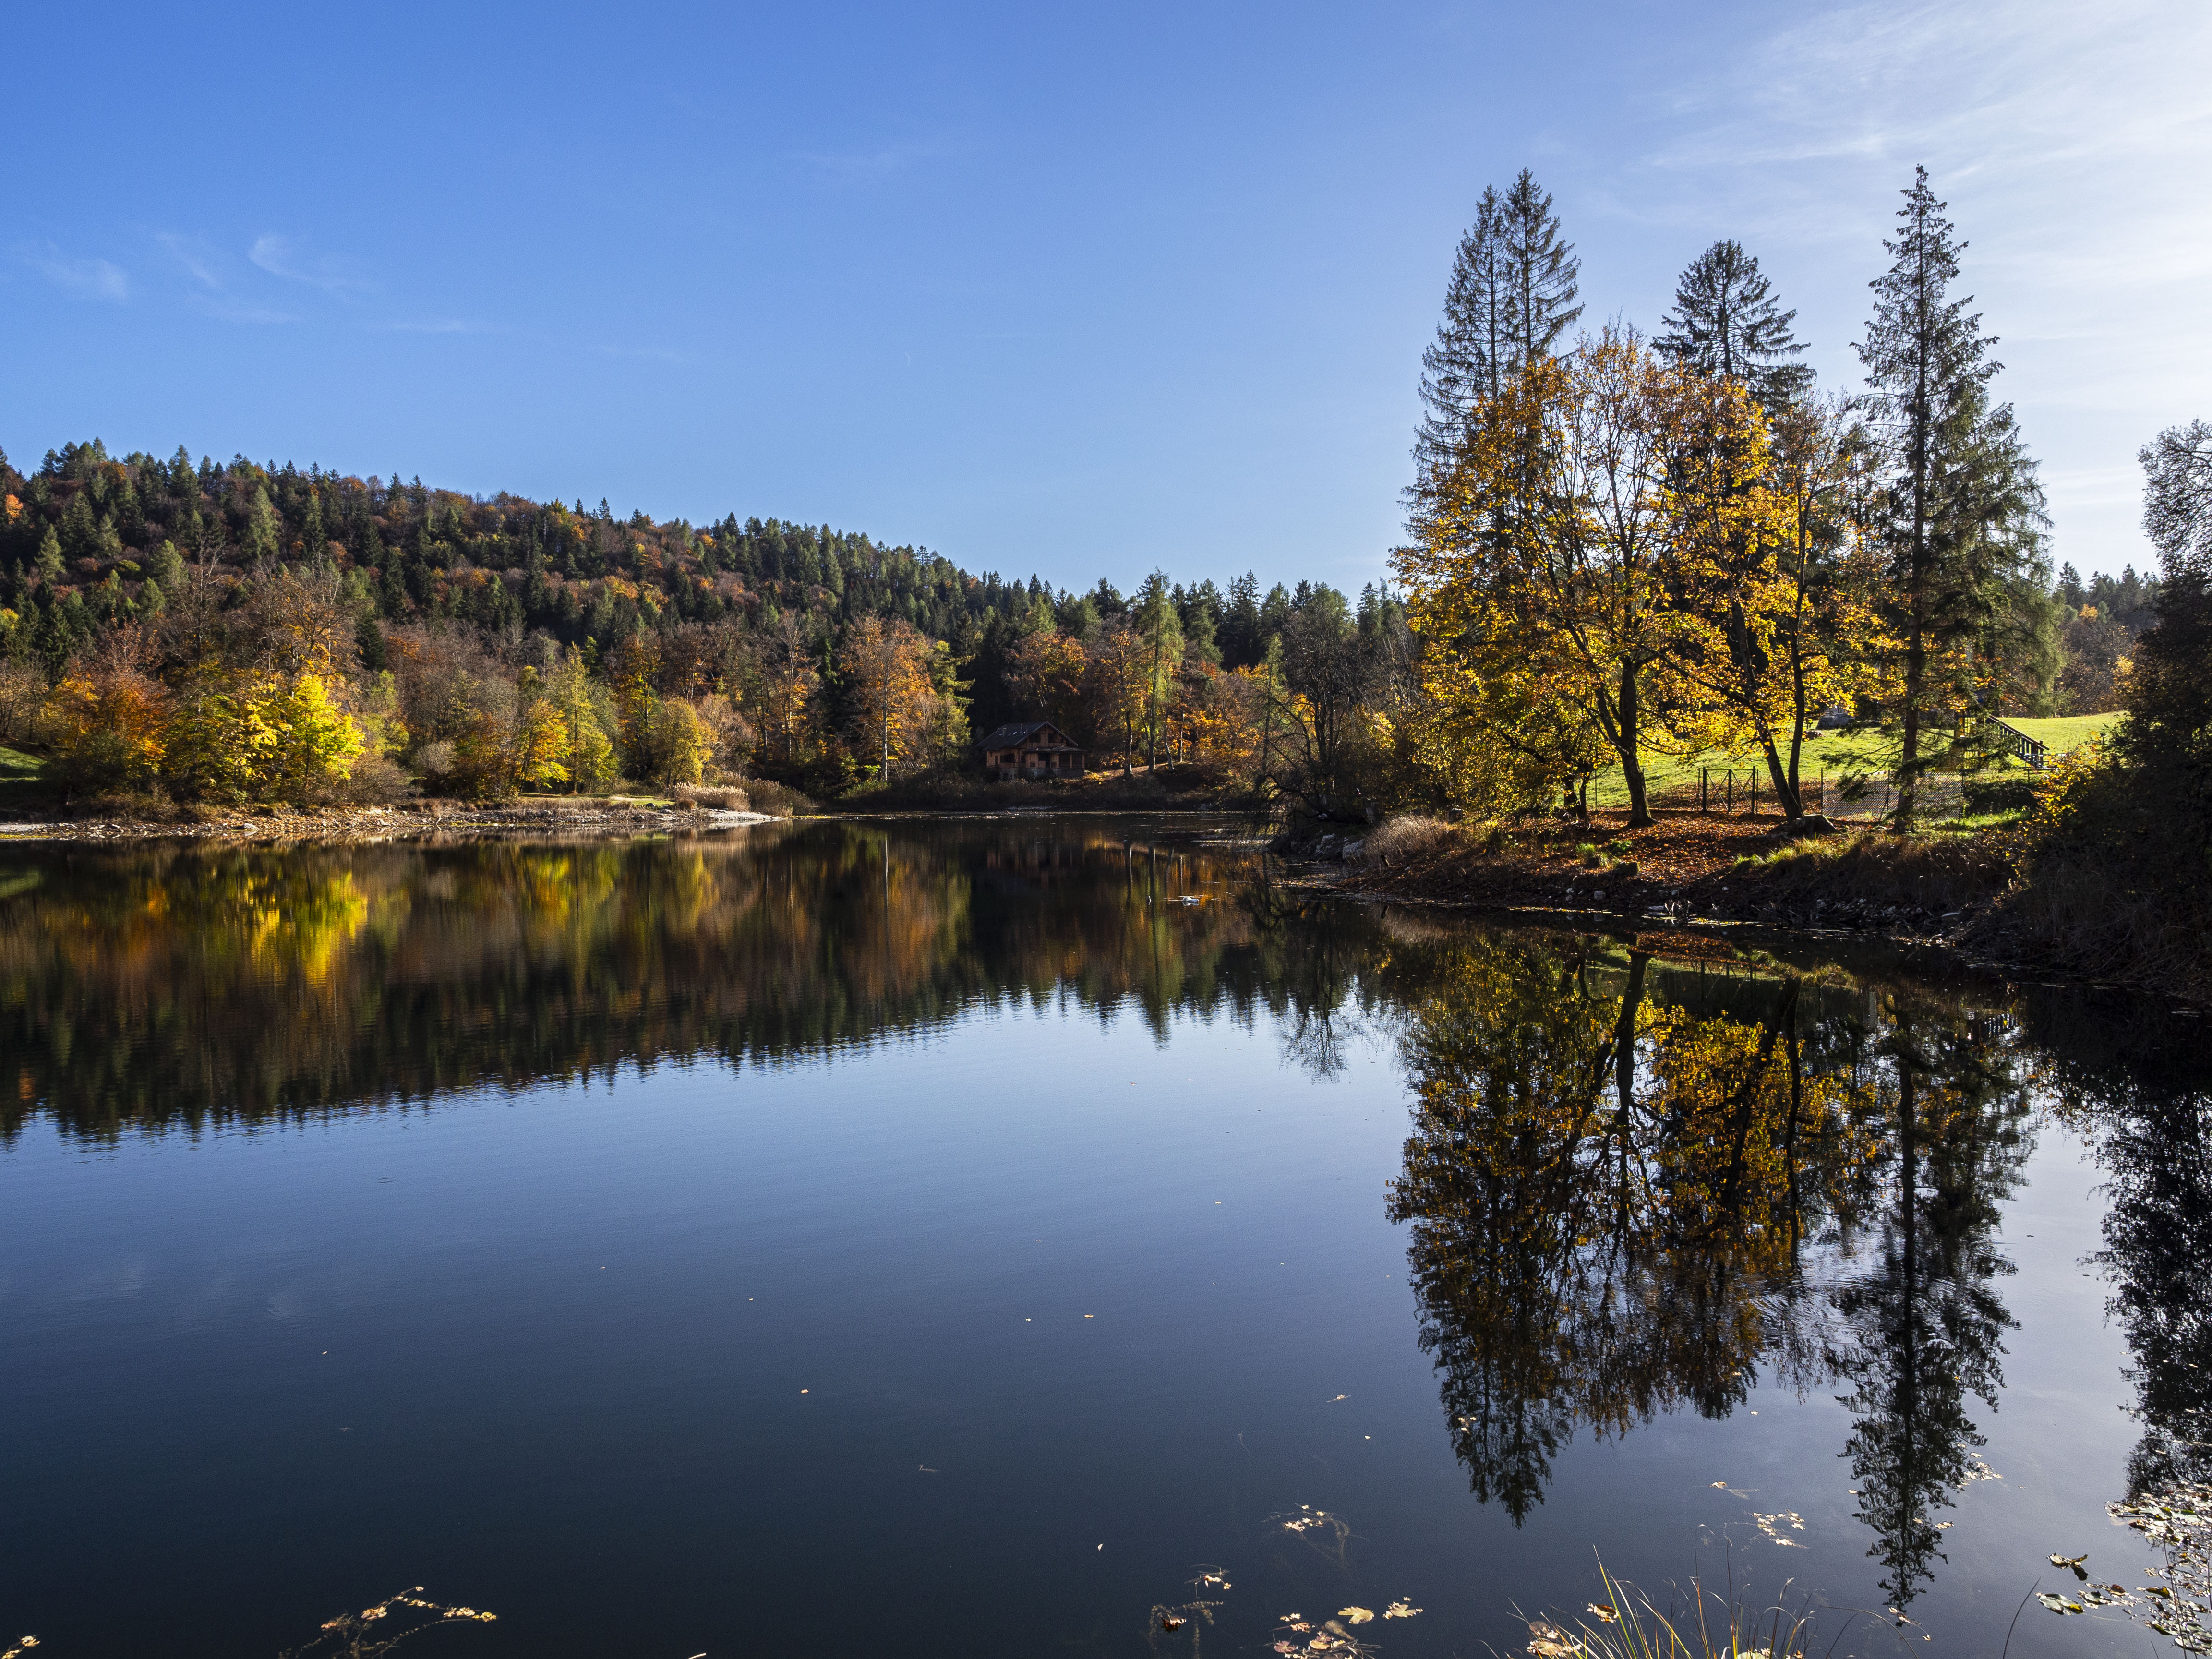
(1632,1185)
(2143,1096)
(182,985)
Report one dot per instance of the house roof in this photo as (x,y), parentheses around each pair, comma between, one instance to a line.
(1022,732)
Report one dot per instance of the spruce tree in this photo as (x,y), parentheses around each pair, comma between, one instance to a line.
(1510,300)
(1727,323)
(1960,515)
(1542,271)
(2177,500)
(1461,367)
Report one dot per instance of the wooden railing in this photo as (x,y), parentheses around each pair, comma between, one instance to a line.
(2013,741)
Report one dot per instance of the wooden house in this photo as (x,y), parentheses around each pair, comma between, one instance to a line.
(1031,749)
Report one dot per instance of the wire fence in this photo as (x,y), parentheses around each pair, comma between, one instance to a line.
(1748,793)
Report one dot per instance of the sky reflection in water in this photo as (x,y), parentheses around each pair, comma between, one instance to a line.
(845,1239)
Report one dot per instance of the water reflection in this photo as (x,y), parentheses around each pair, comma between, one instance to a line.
(2144,1097)
(186,985)
(1632,1186)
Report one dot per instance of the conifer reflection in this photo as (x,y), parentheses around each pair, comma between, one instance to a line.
(1630,1186)
(2138,1081)
(1920,1329)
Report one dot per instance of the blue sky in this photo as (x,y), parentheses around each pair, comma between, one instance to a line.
(1072,291)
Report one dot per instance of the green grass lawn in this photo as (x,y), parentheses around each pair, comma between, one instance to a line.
(23,788)
(2057,736)
(1832,753)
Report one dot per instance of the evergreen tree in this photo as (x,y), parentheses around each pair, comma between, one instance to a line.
(1542,271)
(264,534)
(2177,500)
(1963,507)
(1461,366)
(1726,322)
(1242,646)
(1161,631)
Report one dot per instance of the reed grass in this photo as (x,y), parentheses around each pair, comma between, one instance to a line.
(1629,1625)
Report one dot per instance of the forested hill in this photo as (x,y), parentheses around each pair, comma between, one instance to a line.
(99,529)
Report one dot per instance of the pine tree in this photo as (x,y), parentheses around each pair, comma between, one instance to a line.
(1541,270)
(1510,300)
(1726,322)
(265,532)
(1963,507)
(2177,500)
(1161,631)
(1461,366)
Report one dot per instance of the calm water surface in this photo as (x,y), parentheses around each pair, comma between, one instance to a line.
(950,1238)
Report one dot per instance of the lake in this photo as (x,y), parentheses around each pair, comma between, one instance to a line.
(944,1237)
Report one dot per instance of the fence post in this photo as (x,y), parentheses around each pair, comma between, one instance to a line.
(1704,795)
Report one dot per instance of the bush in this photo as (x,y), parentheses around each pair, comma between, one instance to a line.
(778,800)
(1408,837)
(720,798)
(1999,794)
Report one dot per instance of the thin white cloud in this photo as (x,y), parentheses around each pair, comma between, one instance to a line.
(95,279)
(855,164)
(644,354)
(279,257)
(229,311)
(2072,141)
(194,255)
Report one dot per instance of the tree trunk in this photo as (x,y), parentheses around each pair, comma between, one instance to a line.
(1786,779)
(1623,1038)
(1916,673)
(1639,808)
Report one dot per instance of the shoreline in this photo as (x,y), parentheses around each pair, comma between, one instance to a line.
(1738,885)
(1730,885)
(417,820)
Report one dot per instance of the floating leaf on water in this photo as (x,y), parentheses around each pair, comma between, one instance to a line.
(1356,1615)
(1771,1526)
(1605,1614)
(1399,1609)
(1171,1621)
(1550,1642)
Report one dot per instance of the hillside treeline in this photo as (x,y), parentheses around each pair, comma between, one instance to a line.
(243,631)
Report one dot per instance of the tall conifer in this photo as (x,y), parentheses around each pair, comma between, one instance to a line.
(1461,366)
(1726,322)
(1510,300)
(1962,508)
(1542,268)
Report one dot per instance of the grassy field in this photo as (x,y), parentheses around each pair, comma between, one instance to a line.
(1832,754)
(2058,736)
(22,786)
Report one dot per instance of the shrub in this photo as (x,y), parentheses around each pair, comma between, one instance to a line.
(721,798)
(778,800)
(1408,837)
(1999,794)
